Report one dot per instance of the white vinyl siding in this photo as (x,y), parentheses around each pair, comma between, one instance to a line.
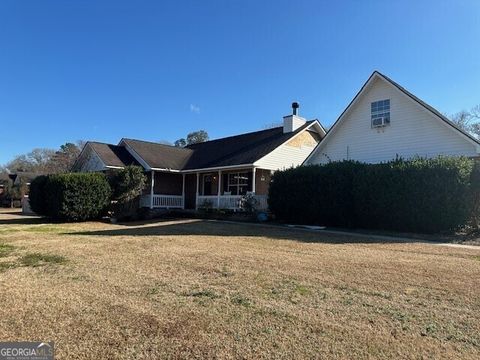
(284,157)
(413,131)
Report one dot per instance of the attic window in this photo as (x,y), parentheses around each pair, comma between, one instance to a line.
(380,113)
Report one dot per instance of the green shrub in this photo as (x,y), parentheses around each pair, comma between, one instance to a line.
(36,196)
(73,197)
(127,185)
(315,194)
(418,195)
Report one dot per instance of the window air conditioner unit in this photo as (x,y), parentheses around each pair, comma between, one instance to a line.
(379,122)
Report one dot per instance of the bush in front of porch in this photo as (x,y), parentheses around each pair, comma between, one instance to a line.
(127,184)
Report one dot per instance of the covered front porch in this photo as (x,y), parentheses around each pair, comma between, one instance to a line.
(218,189)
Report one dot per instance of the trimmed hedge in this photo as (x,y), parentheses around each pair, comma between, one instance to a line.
(36,195)
(418,195)
(71,197)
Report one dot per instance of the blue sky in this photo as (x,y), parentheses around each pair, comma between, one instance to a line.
(156,70)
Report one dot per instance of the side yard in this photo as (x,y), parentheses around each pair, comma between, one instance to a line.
(193,288)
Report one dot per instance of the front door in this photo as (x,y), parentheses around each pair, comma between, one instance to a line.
(207,184)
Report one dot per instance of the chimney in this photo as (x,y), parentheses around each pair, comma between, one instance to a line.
(293,122)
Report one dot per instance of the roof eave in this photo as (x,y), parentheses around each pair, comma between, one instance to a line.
(239,166)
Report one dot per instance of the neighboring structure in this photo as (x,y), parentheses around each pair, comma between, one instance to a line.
(21,180)
(384,121)
(4,182)
(215,173)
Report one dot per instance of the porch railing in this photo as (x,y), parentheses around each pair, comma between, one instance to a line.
(163,201)
(231,202)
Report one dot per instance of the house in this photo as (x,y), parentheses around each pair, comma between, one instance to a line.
(214,173)
(4,183)
(384,121)
(22,181)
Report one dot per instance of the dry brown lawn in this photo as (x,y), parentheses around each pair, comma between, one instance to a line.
(197,289)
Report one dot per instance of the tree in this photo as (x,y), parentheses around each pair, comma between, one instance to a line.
(181,142)
(35,161)
(194,137)
(81,144)
(468,120)
(63,159)
(42,160)
(15,192)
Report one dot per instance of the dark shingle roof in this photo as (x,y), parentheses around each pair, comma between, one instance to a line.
(239,149)
(228,151)
(113,155)
(159,156)
(24,176)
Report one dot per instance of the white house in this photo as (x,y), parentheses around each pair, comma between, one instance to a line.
(384,121)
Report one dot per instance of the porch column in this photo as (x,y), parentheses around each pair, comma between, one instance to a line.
(183,191)
(254,171)
(196,196)
(152,185)
(218,188)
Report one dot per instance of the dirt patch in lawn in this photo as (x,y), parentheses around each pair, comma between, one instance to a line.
(190,288)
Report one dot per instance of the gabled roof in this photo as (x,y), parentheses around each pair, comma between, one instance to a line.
(242,149)
(428,107)
(112,155)
(158,156)
(431,109)
(239,149)
(25,176)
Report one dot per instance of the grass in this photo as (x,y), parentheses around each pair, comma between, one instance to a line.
(6,249)
(6,265)
(28,259)
(37,259)
(241,300)
(194,289)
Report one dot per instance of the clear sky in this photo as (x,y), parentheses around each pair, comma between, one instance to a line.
(156,70)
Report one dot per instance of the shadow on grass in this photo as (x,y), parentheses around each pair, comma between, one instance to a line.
(19,219)
(225,229)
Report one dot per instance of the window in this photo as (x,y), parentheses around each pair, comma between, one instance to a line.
(381,113)
(238,183)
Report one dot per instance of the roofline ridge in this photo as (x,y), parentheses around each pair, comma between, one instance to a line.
(99,142)
(232,136)
(155,143)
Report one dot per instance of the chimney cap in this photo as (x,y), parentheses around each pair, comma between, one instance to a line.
(295,106)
